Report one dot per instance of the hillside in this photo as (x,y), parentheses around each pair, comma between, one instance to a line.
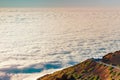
(106,68)
(112,58)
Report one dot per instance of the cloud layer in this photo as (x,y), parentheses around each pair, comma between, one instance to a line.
(38,41)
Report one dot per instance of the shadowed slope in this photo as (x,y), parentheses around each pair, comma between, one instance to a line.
(112,58)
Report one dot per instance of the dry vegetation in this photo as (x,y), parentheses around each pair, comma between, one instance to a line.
(90,70)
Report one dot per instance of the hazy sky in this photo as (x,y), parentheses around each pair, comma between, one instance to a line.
(59,3)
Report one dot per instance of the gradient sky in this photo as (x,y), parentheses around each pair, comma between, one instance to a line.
(59,3)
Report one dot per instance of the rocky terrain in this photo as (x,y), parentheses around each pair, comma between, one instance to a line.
(107,68)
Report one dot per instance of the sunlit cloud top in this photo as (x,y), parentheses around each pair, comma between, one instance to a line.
(59,3)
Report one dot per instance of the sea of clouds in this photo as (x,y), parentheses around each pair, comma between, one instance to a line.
(34,42)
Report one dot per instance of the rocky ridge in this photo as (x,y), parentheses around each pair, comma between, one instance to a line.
(107,68)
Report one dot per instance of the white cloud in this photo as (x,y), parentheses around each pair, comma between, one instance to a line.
(44,40)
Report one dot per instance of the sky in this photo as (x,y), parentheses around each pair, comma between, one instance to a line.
(59,3)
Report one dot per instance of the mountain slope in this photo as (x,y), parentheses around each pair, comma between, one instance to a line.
(112,58)
(91,69)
